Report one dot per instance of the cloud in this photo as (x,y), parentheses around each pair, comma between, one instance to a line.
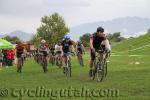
(29,12)
(36,7)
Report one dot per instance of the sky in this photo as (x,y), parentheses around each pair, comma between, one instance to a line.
(26,15)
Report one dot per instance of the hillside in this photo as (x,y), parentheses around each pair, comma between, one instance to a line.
(139,45)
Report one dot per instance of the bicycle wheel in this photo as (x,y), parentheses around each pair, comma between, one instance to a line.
(69,68)
(105,68)
(100,71)
(93,72)
(45,66)
(19,65)
(66,71)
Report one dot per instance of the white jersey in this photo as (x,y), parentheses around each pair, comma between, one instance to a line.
(58,48)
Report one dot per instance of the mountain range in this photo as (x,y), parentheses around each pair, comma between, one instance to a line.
(20,34)
(128,26)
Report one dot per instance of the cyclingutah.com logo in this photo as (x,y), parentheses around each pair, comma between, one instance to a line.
(71,92)
(4,92)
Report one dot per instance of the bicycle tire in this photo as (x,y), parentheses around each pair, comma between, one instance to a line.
(100,71)
(105,68)
(69,67)
(66,71)
(45,67)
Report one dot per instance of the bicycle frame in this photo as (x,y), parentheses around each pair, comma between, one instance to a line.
(100,66)
(68,65)
(43,62)
(19,64)
(80,59)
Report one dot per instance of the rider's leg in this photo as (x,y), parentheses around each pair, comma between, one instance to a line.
(46,60)
(17,64)
(102,56)
(81,55)
(59,59)
(78,57)
(92,64)
(56,58)
(64,62)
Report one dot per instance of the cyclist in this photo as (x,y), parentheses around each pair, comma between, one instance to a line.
(58,51)
(43,49)
(20,50)
(80,50)
(66,44)
(52,54)
(95,44)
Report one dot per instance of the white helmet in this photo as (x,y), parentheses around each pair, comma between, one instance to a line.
(43,41)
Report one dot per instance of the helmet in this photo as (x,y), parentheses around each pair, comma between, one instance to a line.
(79,41)
(43,41)
(67,37)
(100,29)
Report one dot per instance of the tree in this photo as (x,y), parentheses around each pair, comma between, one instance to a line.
(148,30)
(116,35)
(35,40)
(52,29)
(12,39)
(85,39)
(110,36)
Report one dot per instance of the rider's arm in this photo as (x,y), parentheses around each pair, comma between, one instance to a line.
(40,49)
(72,48)
(106,43)
(76,48)
(91,43)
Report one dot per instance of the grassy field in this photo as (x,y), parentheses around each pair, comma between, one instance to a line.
(131,80)
(128,75)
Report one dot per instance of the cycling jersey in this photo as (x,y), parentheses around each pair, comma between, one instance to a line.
(19,50)
(52,50)
(66,45)
(79,47)
(44,49)
(58,48)
(97,40)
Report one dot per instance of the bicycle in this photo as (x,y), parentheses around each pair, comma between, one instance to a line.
(43,62)
(52,58)
(68,69)
(58,60)
(20,64)
(80,58)
(100,67)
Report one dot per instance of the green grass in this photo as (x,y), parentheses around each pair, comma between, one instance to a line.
(134,43)
(124,75)
(131,80)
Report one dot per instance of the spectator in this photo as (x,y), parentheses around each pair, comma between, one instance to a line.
(4,58)
(1,59)
(10,57)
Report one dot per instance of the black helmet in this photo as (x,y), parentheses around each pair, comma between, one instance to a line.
(100,29)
